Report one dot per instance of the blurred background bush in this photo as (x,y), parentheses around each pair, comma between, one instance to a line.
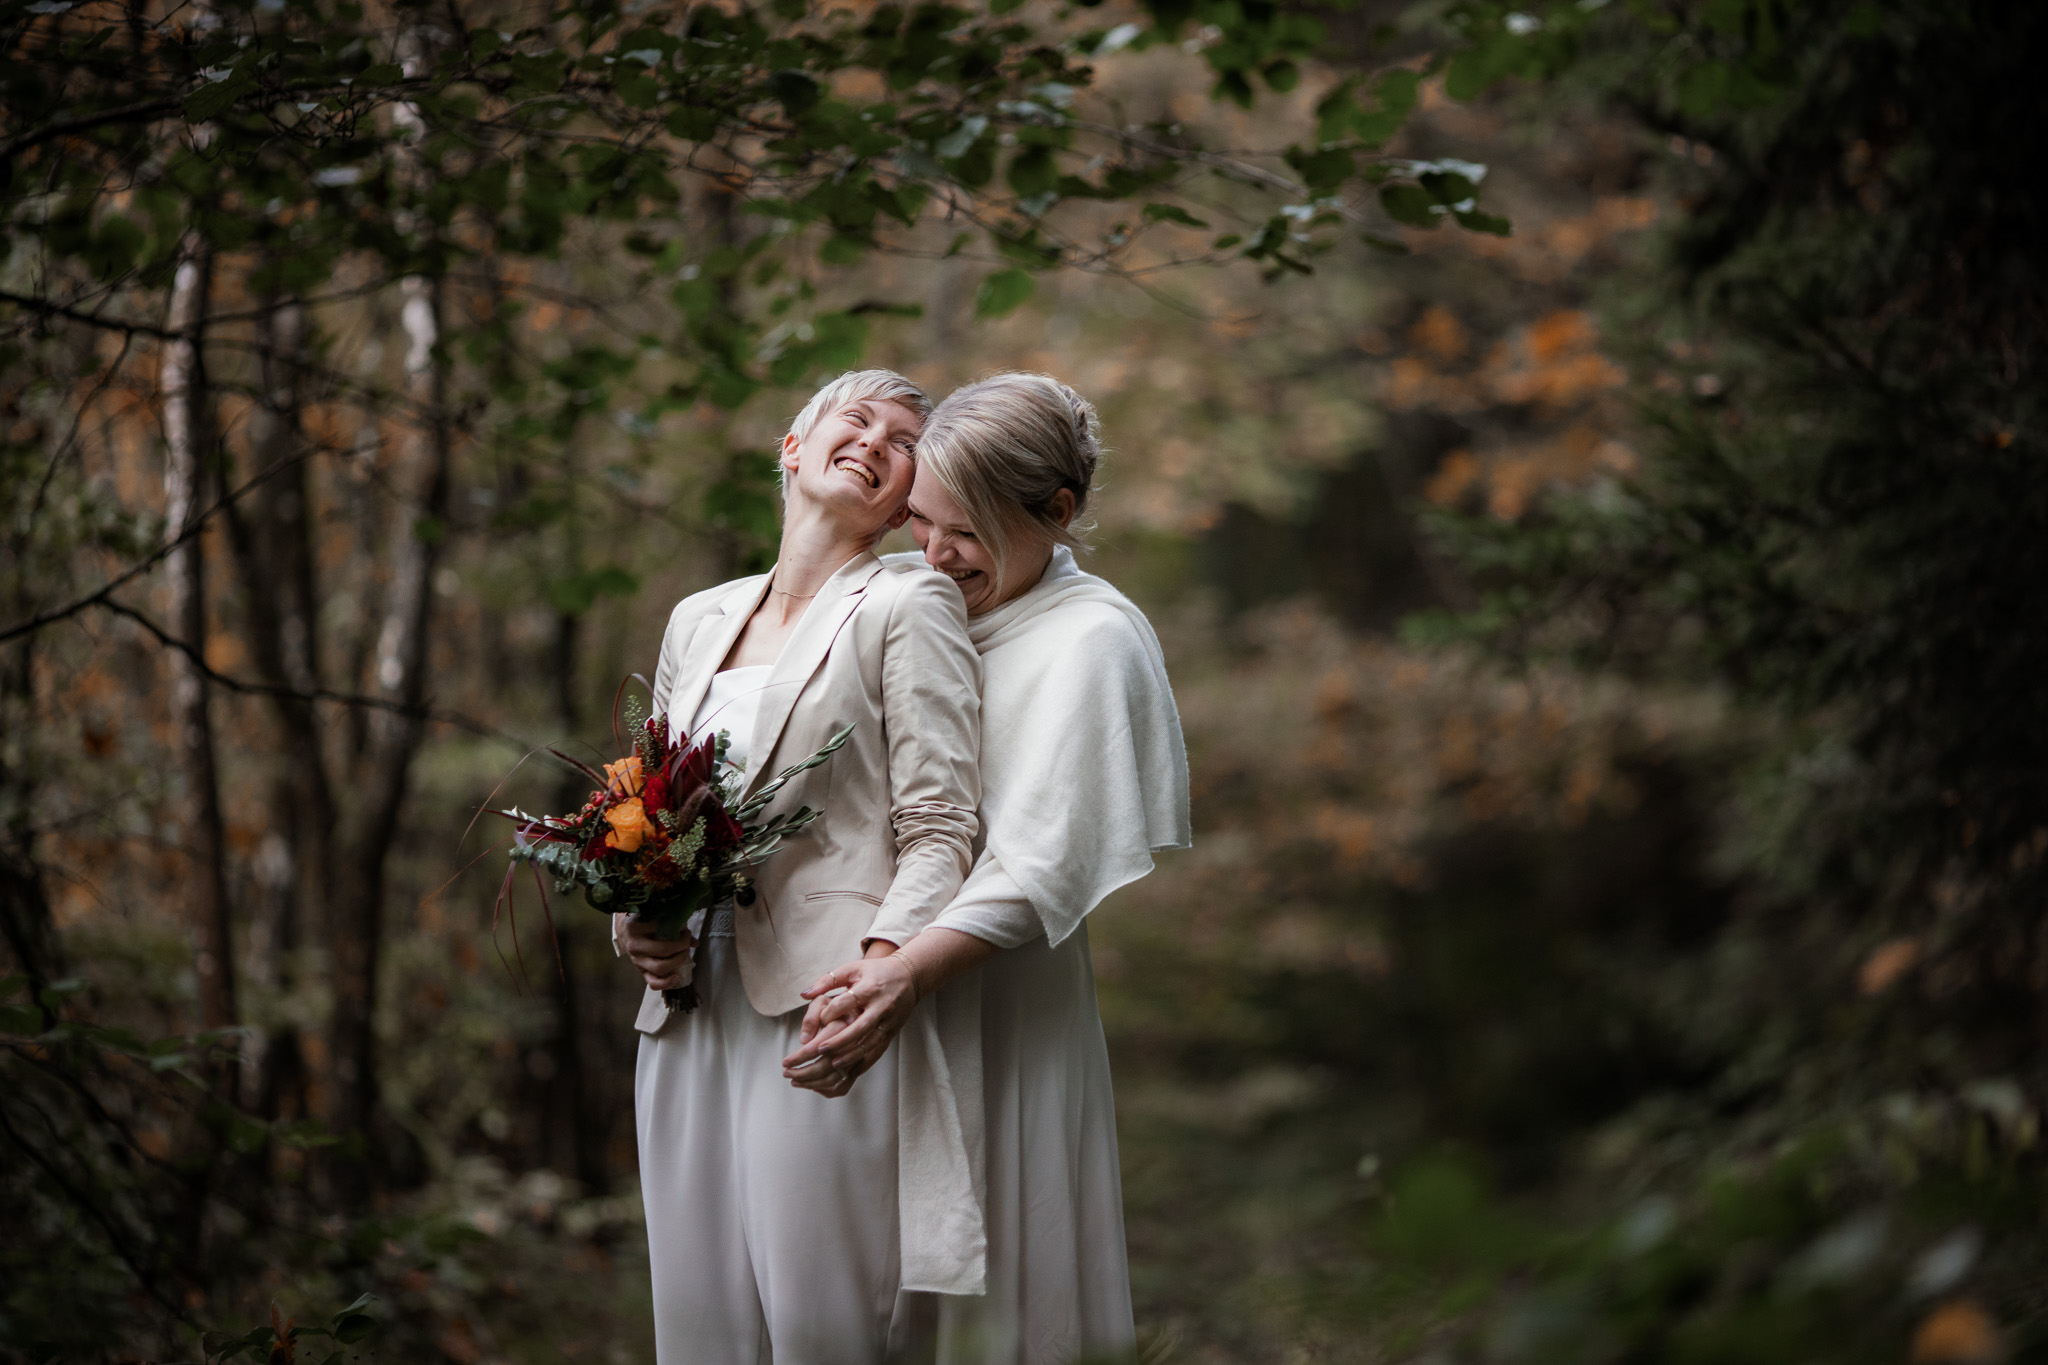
(1607,645)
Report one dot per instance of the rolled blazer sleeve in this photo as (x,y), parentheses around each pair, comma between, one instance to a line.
(931,698)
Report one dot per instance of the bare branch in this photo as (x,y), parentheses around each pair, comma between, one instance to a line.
(259,689)
(51,308)
(147,562)
(145,109)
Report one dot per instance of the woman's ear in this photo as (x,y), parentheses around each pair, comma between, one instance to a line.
(1063,506)
(902,515)
(790,445)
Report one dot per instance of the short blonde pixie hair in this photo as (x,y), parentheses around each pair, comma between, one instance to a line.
(878,386)
(1004,447)
(875,386)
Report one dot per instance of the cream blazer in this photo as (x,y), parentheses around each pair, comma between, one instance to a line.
(886,649)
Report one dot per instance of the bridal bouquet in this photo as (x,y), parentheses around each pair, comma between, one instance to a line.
(665,837)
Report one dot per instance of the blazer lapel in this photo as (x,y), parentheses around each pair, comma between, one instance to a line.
(709,644)
(806,650)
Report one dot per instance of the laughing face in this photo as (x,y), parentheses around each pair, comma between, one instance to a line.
(950,544)
(857,463)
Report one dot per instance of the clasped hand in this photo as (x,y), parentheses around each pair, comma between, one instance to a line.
(854,1012)
(659,960)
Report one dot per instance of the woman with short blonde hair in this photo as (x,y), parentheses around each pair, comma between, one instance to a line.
(1084,777)
(780,1227)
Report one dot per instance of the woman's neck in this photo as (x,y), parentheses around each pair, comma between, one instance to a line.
(813,548)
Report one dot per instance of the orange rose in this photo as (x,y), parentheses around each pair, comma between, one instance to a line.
(623,776)
(629,823)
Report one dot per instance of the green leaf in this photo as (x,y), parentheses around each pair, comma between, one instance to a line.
(543,73)
(1468,74)
(210,101)
(1475,221)
(797,92)
(695,297)
(1448,187)
(842,250)
(635,89)
(1335,111)
(382,74)
(1033,171)
(693,123)
(839,340)
(354,1327)
(1003,291)
(1386,244)
(1226,241)
(115,246)
(1171,213)
(1396,95)
(1282,76)
(1323,170)
(362,1303)
(1410,204)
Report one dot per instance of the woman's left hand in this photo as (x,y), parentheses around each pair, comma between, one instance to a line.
(855,1012)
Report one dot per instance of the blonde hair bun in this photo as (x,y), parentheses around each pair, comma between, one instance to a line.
(1004,446)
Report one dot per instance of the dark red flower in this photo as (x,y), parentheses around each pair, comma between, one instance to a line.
(721,831)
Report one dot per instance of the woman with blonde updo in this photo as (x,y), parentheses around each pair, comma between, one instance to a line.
(1084,777)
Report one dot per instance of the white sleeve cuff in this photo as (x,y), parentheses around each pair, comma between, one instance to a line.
(992,907)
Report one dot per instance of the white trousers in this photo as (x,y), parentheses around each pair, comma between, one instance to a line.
(772,1230)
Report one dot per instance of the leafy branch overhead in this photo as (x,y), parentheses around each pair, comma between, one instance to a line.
(310,134)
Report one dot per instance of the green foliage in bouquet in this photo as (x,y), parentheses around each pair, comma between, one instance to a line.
(669,832)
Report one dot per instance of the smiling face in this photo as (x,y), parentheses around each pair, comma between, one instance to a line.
(951,546)
(856,464)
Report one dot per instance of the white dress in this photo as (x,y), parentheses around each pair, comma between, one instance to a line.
(782,1204)
(1059,1287)
(1083,777)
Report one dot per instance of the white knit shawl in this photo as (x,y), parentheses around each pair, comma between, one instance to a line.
(1084,774)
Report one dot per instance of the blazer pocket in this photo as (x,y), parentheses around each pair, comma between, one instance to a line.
(843,895)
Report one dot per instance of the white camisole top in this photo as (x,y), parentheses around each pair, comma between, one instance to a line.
(731,704)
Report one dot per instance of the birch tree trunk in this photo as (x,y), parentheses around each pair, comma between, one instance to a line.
(188,437)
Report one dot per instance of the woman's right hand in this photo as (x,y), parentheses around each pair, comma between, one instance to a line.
(660,960)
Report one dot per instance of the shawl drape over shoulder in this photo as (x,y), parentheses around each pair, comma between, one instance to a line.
(1084,773)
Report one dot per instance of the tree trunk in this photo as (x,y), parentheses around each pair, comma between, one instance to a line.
(580,1122)
(274,550)
(188,437)
(356,912)
(25,921)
